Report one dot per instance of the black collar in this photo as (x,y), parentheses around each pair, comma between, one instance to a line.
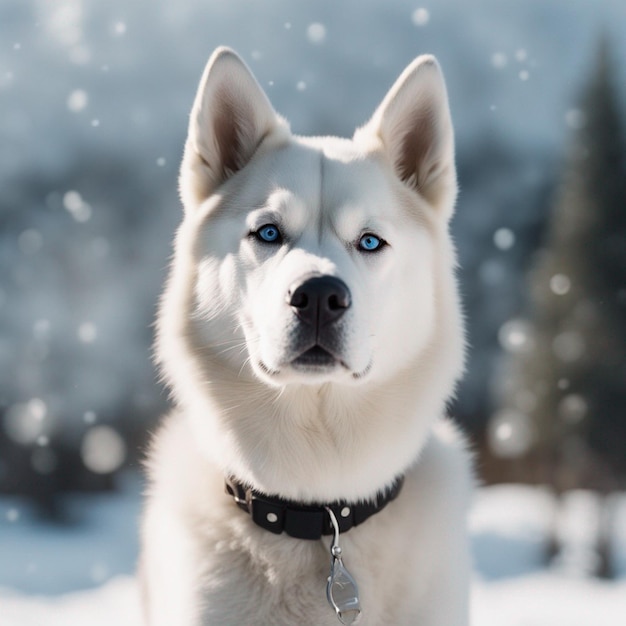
(306,521)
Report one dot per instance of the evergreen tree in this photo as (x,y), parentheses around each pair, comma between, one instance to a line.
(567,376)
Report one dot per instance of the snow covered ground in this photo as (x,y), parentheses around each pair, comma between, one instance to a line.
(81,575)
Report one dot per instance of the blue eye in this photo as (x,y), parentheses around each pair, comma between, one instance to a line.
(370,243)
(269,233)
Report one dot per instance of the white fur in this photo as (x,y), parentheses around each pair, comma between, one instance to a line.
(225,345)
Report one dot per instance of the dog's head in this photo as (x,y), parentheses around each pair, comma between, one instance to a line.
(314,260)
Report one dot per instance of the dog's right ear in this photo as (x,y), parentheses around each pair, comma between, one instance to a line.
(231,116)
(413,126)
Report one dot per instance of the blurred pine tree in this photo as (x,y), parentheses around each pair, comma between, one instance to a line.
(565,383)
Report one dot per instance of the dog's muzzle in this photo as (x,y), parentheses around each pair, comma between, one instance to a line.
(318,302)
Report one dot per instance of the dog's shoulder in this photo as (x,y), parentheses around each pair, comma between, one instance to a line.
(165,444)
(443,473)
(177,470)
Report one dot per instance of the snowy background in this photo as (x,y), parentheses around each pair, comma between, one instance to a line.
(94,98)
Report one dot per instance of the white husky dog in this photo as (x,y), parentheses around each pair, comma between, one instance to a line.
(310,333)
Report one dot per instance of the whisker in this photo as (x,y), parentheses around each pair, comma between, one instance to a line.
(242,346)
(246,362)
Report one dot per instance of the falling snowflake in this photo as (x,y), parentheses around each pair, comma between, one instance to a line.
(510,433)
(504,238)
(25,422)
(76,206)
(572,408)
(119,28)
(420,17)
(87,332)
(103,450)
(77,100)
(316,33)
(499,60)
(560,284)
(516,336)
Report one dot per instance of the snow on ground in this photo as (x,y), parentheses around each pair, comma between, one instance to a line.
(98,542)
(543,599)
(116,602)
(509,526)
(549,599)
(40,565)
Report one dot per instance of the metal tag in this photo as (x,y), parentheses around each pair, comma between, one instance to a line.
(341,590)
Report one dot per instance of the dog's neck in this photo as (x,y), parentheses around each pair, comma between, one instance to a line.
(310,444)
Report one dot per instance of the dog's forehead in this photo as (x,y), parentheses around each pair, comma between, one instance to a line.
(309,182)
(327,176)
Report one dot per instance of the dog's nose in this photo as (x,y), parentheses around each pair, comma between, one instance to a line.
(319,300)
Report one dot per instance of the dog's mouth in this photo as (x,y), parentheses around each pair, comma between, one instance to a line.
(315,358)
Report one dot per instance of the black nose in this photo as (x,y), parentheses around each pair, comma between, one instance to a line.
(319,300)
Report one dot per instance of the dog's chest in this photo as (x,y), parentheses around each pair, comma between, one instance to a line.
(262,579)
(244,591)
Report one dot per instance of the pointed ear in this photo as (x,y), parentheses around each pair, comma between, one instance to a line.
(414,126)
(231,116)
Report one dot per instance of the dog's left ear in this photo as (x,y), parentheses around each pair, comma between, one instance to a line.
(230,118)
(413,124)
